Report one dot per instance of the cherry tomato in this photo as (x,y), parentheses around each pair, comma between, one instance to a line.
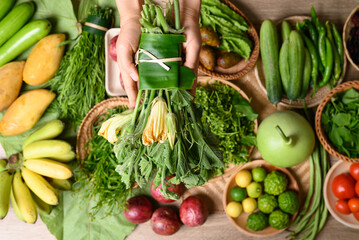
(357,188)
(343,186)
(354,171)
(356,215)
(353,204)
(342,206)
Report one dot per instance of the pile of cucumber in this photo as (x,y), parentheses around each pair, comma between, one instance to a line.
(16,33)
(311,56)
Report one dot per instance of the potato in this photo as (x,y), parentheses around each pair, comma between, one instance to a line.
(10,83)
(24,113)
(207,57)
(228,59)
(44,59)
(209,36)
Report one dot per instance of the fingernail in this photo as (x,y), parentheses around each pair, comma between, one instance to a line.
(134,77)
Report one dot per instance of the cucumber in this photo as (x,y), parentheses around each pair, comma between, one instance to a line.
(23,39)
(5,6)
(284,67)
(296,64)
(269,54)
(285,28)
(306,74)
(16,18)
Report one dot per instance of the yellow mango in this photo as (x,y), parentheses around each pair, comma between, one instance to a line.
(24,113)
(10,83)
(44,59)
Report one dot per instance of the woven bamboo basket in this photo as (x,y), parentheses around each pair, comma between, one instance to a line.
(318,121)
(244,66)
(299,103)
(85,131)
(346,33)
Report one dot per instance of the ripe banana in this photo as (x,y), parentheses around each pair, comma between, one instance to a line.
(41,205)
(49,168)
(5,188)
(3,163)
(15,206)
(40,187)
(50,130)
(62,184)
(24,200)
(67,157)
(46,149)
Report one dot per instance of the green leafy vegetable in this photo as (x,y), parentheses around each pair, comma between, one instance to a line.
(340,120)
(230,117)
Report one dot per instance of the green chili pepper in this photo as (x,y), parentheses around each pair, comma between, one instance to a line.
(328,64)
(337,65)
(338,43)
(314,17)
(313,33)
(321,45)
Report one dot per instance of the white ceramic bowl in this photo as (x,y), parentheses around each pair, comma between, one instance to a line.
(330,199)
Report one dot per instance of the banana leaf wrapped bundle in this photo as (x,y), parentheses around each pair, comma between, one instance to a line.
(165,135)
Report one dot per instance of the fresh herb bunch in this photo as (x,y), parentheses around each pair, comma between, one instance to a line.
(341,122)
(166,135)
(79,82)
(97,174)
(231,118)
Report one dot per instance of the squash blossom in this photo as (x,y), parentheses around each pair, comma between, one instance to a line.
(155,130)
(171,123)
(112,126)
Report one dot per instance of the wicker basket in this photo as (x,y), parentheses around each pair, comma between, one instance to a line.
(346,30)
(299,103)
(85,131)
(318,121)
(244,66)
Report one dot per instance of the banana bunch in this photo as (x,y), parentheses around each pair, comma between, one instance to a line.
(31,186)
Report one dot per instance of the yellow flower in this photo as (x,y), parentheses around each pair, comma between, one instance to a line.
(155,130)
(171,124)
(112,126)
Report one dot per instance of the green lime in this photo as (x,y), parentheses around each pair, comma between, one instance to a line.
(254,189)
(238,194)
(259,174)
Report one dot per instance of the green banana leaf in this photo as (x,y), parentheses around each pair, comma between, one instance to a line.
(153,75)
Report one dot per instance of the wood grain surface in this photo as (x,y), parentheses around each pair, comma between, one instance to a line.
(217,225)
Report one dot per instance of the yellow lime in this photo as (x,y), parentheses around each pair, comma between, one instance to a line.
(243,178)
(254,189)
(249,205)
(234,209)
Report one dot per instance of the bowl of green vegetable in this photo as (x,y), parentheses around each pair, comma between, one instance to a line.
(336,121)
(261,200)
(227,111)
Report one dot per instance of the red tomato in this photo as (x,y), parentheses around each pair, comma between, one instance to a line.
(343,186)
(354,171)
(353,204)
(356,215)
(357,188)
(342,206)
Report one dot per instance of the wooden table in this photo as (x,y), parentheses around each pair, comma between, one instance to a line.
(217,225)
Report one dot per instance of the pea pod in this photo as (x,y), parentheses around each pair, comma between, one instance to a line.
(314,59)
(321,45)
(306,74)
(337,64)
(329,63)
(338,43)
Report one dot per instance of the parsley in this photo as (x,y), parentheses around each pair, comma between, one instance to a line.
(230,117)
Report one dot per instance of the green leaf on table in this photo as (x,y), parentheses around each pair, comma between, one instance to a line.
(60,13)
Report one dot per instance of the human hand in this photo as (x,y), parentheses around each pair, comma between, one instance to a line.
(126,46)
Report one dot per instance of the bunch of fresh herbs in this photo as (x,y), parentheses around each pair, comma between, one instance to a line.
(340,121)
(231,118)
